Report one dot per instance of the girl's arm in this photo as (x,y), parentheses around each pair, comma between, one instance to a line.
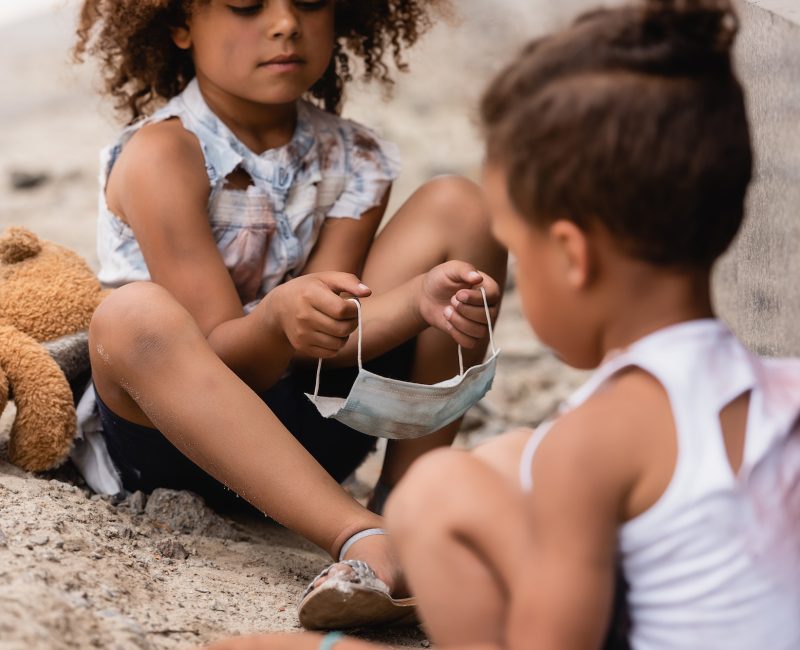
(343,243)
(159,187)
(395,316)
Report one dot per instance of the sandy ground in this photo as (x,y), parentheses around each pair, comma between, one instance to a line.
(79,571)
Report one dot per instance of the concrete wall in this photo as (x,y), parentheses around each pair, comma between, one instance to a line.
(757,284)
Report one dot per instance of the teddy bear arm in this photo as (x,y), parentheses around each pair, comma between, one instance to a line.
(3,391)
(45,424)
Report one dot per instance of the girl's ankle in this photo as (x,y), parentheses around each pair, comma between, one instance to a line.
(350,531)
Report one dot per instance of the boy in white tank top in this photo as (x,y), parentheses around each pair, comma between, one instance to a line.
(618,162)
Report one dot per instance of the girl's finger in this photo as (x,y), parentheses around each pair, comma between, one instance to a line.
(475,297)
(336,281)
(462,339)
(465,325)
(321,322)
(333,306)
(473,313)
(318,352)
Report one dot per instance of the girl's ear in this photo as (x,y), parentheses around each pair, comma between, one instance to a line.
(573,248)
(181,37)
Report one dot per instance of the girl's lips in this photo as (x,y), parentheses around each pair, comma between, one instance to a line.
(284,63)
(283,59)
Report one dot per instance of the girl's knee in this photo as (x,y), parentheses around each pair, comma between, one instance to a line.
(458,200)
(137,320)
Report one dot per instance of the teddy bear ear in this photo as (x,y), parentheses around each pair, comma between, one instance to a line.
(18,244)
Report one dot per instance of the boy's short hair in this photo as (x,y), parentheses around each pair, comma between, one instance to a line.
(632,118)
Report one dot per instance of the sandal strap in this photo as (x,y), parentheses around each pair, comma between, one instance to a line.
(361,570)
(369,532)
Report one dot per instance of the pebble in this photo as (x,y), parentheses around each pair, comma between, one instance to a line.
(38,540)
(173,549)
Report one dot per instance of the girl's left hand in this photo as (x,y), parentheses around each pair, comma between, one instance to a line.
(452,301)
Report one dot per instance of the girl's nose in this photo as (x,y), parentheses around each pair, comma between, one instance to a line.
(283,21)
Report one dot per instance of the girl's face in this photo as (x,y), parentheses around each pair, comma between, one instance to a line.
(550,273)
(267,51)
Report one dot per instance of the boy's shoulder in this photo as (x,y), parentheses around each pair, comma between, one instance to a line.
(611,439)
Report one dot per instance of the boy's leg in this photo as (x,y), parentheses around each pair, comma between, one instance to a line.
(464,543)
(153,366)
(444,220)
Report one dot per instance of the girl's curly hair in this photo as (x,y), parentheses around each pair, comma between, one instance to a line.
(142,67)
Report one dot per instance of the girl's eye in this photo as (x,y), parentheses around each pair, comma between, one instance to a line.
(311,5)
(249,10)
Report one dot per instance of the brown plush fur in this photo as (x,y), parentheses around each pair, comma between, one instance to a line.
(46,292)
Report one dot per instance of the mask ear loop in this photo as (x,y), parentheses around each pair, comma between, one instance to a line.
(360,365)
(488,320)
(491,333)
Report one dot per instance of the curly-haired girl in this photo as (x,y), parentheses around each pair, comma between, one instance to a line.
(235,215)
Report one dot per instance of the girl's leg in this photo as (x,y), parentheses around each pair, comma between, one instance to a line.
(152,366)
(461,532)
(444,220)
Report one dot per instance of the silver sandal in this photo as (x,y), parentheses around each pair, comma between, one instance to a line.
(356,598)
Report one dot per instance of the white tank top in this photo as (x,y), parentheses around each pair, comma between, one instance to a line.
(715,562)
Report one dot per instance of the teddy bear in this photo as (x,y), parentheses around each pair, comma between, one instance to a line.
(48,294)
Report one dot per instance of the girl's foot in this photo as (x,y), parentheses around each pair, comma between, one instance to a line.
(358,590)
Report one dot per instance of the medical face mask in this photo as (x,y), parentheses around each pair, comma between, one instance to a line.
(391,408)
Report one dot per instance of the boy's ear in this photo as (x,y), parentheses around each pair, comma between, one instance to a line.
(181,37)
(573,247)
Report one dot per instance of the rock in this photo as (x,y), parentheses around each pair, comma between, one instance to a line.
(3,540)
(172,549)
(27,180)
(185,512)
(38,540)
(134,502)
(73,545)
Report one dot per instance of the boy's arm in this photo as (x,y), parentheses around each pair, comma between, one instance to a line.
(599,466)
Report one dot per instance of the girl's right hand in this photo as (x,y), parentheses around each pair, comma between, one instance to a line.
(312,315)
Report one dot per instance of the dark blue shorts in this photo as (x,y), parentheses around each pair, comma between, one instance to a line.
(147,460)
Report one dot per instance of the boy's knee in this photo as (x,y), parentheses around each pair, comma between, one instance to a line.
(503,452)
(424,498)
(137,320)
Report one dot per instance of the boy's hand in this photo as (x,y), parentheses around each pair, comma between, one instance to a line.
(451,301)
(314,318)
